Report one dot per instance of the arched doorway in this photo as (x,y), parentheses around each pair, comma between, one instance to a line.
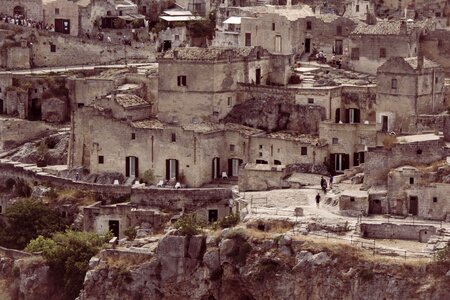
(19,10)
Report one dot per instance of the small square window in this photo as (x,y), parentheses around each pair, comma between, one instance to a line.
(352,199)
(382,52)
(133,136)
(260,146)
(52,48)
(304,150)
(173,137)
(260,154)
(411,180)
(434,199)
(232,147)
(101,159)
(310,100)
(335,141)
(56,11)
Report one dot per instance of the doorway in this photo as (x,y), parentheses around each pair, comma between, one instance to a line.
(62,26)
(384,123)
(1,106)
(233,166)
(171,169)
(258,76)
(35,110)
(114,227)
(216,168)
(413,205)
(131,166)
(19,10)
(307,45)
(375,207)
(167,45)
(213,215)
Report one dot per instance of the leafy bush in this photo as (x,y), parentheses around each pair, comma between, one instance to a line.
(68,254)
(189,225)
(26,220)
(148,177)
(130,233)
(229,221)
(443,256)
(389,141)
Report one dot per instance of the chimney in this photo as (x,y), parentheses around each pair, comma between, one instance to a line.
(403,27)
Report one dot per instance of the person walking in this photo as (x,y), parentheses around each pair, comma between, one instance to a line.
(317,200)
(331,181)
(323,184)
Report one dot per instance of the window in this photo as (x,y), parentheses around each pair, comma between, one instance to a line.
(357,7)
(338,47)
(173,137)
(1,209)
(394,84)
(352,199)
(260,147)
(258,55)
(248,39)
(354,116)
(277,162)
(310,100)
(339,30)
(434,200)
(304,150)
(382,52)
(52,48)
(262,162)
(411,180)
(278,43)
(177,37)
(56,11)
(101,159)
(215,114)
(80,105)
(273,26)
(436,80)
(229,101)
(232,147)
(181,80)
(355,54)
(308,25)
(133,136)
(335,141)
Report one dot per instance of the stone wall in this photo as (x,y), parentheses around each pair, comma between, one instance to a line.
(14,132)
(261,177)
(419,233)
(380,160)
(187,199)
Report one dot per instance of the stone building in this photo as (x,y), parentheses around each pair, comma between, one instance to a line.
(285,30)
(415,85)
(207,80)
(31,9)
(34,97)
(372,45)
(359,9)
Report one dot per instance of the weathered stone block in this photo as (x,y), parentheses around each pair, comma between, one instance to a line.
(172,246)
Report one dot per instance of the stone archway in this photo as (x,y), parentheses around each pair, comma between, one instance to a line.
(19,10)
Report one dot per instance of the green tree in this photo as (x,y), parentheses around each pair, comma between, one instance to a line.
(68,254)
(26,220)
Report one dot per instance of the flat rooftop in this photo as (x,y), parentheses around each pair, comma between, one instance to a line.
(417,138)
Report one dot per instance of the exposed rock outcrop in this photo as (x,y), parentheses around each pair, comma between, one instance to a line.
(237,265)
(275,115)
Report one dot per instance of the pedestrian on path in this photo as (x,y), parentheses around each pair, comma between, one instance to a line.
(323,184)
(331,181)
(317,200)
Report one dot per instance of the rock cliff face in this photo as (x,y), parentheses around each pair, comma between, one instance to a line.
(238,265)
(275,115)
(25,279)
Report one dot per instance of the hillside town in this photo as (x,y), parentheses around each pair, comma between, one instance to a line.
(223,149)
